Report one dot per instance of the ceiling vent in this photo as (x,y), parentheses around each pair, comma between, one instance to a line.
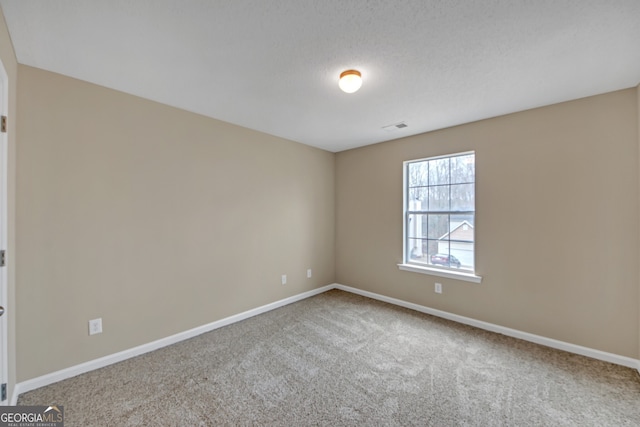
(395,127)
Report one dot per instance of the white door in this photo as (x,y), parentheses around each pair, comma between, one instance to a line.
(4,106)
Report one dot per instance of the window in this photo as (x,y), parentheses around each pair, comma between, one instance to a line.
(439,213)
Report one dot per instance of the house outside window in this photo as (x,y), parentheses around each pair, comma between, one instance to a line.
(439,212)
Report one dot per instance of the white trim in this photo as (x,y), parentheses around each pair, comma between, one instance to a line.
(44,380)
(450,274)
(548,342)
(4,230)
(53,377)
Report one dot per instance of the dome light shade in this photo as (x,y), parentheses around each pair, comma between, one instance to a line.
(350,81)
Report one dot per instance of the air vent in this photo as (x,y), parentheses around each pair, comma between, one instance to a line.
(394,127)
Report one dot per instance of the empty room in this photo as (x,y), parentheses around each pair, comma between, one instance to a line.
(305,212)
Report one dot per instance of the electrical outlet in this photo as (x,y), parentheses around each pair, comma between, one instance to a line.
(95,326)
(438,288)
(284,279)
(309,273)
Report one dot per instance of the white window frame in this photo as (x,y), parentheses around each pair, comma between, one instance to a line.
(407,264)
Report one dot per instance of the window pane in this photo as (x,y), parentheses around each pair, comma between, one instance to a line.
(414,249)
(441,248)
(459,219)
(462,197)
(418,199)
(418,174)
(417,226)
(418,250)
(463,169)
(439,198)
(462,233)
(431,250)
(438,226)
(463,252)
(439,171)
(410,226)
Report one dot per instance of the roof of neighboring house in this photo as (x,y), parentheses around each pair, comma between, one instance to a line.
(463,232)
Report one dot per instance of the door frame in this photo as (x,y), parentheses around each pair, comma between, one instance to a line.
(4,175)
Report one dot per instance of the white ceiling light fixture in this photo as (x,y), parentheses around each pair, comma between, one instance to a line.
(350,81)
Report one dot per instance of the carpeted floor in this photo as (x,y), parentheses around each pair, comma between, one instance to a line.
(342,359)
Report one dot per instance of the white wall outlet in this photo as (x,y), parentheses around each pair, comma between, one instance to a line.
(284,279)
(438,288)
(309,273)
(95,326)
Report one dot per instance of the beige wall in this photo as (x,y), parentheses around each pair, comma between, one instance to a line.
(10,64)
(556,224)
(155,219)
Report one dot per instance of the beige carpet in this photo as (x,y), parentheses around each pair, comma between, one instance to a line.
(341,359)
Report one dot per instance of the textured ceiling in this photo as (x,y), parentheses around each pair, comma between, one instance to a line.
(273,65)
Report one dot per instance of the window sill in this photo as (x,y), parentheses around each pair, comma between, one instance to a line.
(450,274)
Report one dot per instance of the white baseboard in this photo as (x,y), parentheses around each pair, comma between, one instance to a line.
(53,377)
(44,380)
(548,342)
